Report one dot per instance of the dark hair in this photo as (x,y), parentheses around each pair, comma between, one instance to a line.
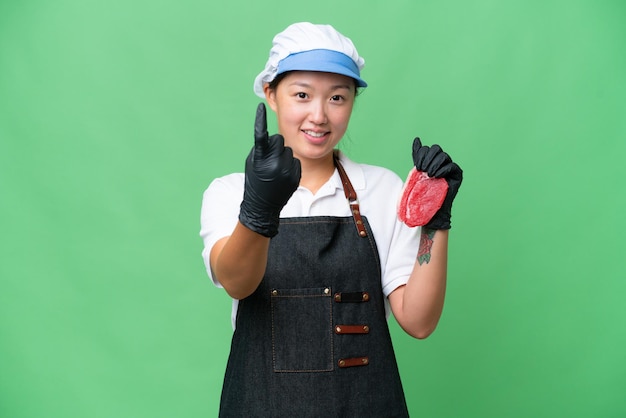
(276,81)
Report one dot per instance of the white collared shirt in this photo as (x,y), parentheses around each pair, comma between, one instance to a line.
(378,190)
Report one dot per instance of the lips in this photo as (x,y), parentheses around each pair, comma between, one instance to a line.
(316,137)
(315,134)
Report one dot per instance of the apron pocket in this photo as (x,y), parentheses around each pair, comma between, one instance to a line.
(302,338)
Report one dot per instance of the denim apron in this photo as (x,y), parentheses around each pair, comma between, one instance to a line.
(313,340)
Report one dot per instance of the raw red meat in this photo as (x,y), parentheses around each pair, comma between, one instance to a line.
(421,198)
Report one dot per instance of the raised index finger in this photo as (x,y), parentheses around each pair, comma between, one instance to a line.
(260,127)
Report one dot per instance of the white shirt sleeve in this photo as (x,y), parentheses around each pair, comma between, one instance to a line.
(219,213)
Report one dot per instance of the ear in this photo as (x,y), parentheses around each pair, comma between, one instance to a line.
(270,96)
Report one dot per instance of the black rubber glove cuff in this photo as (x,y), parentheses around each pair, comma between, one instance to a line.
(262,222)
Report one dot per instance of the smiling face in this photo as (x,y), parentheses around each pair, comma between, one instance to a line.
(313,110)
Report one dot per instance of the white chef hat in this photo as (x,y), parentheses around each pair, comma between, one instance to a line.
(308,47)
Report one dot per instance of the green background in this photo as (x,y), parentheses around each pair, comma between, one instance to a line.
(115,116)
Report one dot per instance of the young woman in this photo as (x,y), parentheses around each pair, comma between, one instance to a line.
(309,246)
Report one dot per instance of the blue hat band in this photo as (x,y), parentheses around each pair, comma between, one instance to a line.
(324,60)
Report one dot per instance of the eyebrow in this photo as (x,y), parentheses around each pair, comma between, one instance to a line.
(307,85)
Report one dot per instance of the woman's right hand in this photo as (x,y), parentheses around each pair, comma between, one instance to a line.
(272,175)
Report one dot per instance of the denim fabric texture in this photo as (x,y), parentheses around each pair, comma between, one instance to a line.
(300,316)
(285,354)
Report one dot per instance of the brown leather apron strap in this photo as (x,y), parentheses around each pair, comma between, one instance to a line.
(353,362)
(352,329)
(351,297)
(351,196)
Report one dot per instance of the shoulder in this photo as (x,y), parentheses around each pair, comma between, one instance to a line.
(234,180)
(382,174)
(223,195)
(371,177)
(225,186)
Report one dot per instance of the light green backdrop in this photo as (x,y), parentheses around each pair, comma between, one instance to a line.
(115,116)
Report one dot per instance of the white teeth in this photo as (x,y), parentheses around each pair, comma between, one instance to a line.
(315,134)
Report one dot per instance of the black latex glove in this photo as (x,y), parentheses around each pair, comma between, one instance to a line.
(436,163)
(272,175)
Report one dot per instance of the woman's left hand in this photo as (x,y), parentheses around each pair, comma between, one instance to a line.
(436,163)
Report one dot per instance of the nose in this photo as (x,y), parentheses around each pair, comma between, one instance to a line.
(317,113)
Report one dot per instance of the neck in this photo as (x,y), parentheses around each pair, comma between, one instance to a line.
(316,172)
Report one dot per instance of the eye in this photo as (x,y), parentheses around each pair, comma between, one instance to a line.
(336,98)
(301,95)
